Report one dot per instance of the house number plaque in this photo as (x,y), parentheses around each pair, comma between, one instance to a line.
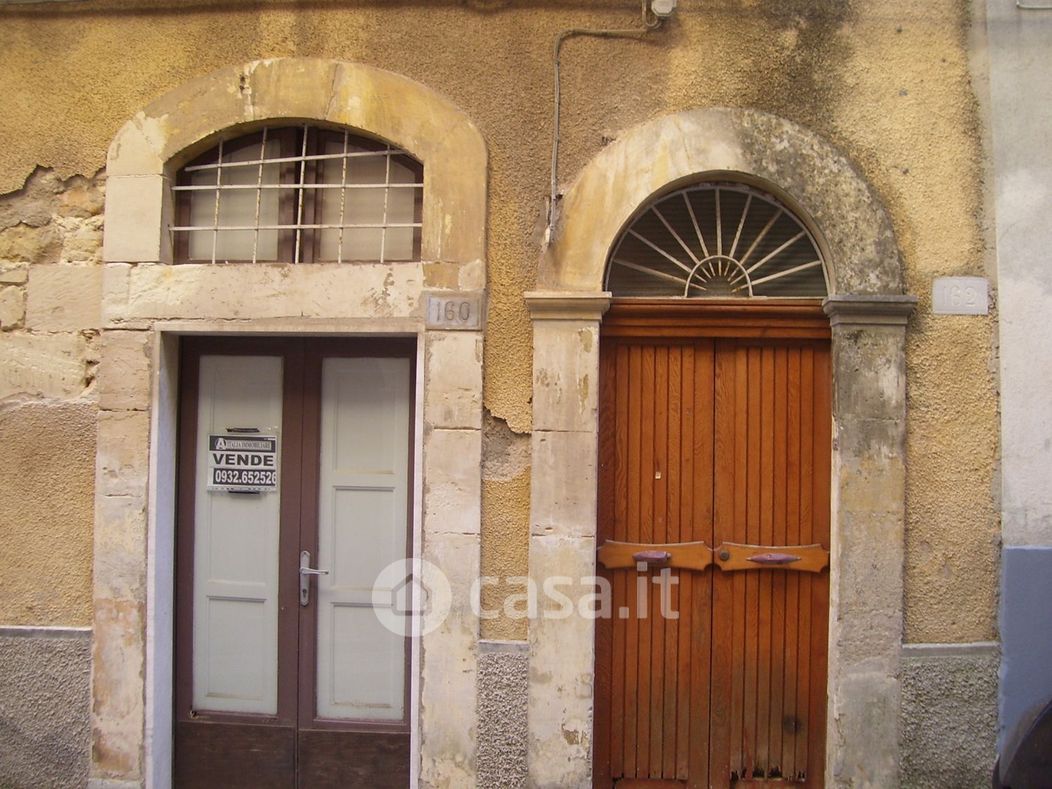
(454,311)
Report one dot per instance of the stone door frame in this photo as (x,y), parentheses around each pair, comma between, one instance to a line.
(149,303)
(868,313)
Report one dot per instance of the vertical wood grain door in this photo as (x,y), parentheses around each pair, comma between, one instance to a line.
(713,505)
(294,494)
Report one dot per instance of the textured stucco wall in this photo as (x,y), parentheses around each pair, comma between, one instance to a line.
(949,716)
(886,81)
(45,708)
(48,453)
(504,679)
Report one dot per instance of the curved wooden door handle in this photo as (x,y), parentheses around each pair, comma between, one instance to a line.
(614,555)
(730,556)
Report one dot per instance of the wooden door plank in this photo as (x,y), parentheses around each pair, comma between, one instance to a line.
(334,760)
(721,694)
(672,532)
(632,532)
(739,529)
(239,756)
(657,620)
(750,703)
(700,636)
(765,580)
(621,371)
(646,534)
(807,446)
(792,536)
(778,577)
(684,487)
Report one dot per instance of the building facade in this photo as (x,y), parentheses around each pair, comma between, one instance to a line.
(513,296)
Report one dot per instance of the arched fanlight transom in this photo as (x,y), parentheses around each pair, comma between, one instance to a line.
(716,240)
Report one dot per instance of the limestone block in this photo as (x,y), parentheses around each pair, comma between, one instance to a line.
(23,243)
(273,291)
(136,150)
(561,665)
(448,708)
(124,370)
(453,390)
(562,491)
(452,481)
(117,688)
(115,279)
(123,456)
(870,377)
(565,375)
(43,365)
(863,741)
(14,273)
(866,584)
(120,548)
(872,483)
(473,275)
(64,298)
(81,239)
(294,88)
(136,209)
(12,308)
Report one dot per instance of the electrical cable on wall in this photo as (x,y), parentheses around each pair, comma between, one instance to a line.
(653,14)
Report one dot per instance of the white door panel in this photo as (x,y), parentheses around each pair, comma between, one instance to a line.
(236,547)
(362,528)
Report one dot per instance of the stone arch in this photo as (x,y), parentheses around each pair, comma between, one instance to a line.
(868,313)
(807,173)
(151,146)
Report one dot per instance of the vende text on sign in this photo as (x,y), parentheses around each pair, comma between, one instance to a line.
(960,296)
(244,463)
(454,310)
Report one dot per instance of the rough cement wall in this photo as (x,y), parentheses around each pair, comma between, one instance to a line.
(886,81)
(504,679)
(949,716)
(45,708)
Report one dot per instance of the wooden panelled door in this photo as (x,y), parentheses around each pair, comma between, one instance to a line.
(715,444)
(294,492)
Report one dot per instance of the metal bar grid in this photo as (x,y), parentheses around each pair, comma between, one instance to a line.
(300,187)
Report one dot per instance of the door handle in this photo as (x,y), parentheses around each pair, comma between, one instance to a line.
(614,555)
(306,571)
(732,556)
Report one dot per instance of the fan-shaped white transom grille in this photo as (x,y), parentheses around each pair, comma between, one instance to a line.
(716,240)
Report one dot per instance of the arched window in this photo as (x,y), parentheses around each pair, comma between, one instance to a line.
(717,240)
(299,194)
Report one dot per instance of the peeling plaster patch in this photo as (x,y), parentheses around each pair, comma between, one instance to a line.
(505,453)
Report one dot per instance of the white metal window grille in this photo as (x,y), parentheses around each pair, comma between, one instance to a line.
(299,194)
(716,240)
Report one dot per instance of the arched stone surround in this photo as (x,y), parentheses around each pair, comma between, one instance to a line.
(868,312)
(148,303)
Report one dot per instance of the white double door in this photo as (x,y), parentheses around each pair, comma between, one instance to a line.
(295,497)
